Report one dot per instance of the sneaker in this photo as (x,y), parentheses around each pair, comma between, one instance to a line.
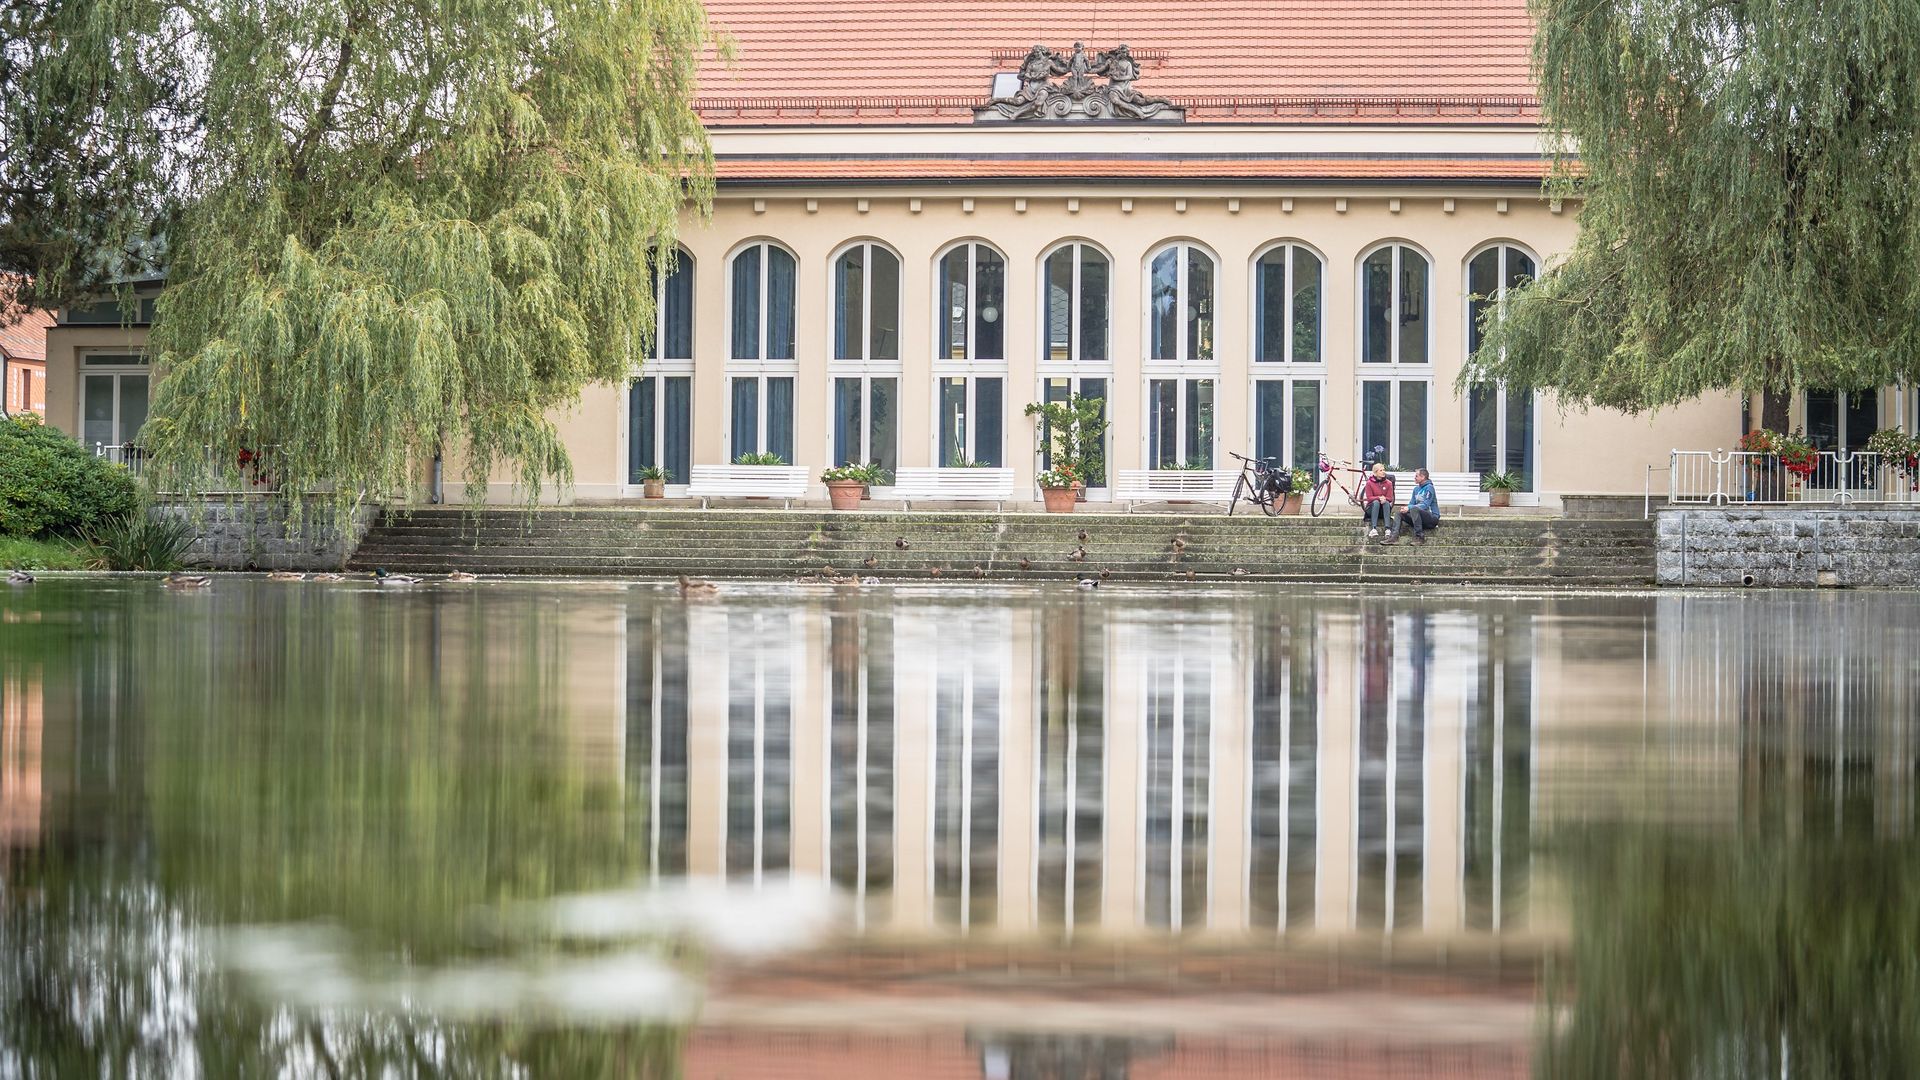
(1373,533)
(1390,538)
(1419,538)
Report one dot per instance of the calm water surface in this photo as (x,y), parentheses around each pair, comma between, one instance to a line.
(537,829)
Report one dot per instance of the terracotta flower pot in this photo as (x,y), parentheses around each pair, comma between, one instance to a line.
(653,489)
(1290,504)
(1058,500)
(1499,498)
(845,493)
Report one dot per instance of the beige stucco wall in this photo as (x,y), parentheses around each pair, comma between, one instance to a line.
(64,346)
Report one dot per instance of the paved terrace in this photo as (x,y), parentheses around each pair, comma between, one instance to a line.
(1500,548)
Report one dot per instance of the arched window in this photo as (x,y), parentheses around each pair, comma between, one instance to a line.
(1078,281)
(672,308)
(1499,418)
(1397,295)
(1286,305)
(1180,304)
(970,304)
(660,400)
(866,304)
(763,302)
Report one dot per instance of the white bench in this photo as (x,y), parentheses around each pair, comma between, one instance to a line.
(1173,485)
(787,482)
(1449,488)
(953,485)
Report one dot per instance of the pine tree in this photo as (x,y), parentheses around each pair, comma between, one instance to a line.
(414,228)
(1749,177)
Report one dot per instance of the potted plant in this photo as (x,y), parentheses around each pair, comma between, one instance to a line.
(1500,487)
(847,485)
(759,459)
(1057,488)
(1299,485)
(1898,451)
(653,481)
(1073,433)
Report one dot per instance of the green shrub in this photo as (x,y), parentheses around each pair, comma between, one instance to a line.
(50,483)
(139,540)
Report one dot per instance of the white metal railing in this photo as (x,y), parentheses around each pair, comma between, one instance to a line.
(1840,477)
(220,477)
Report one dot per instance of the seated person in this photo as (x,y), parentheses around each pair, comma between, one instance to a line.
(1376,499)
(1422,512)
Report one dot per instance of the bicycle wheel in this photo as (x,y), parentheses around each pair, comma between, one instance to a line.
(1322,494)
(1239,486)
(1271,500)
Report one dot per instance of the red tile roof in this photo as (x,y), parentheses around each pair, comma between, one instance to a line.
(740,170)
(25,338)
(920,62)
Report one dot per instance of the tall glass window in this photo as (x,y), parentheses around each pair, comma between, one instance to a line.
(1078,300)
(971,411)
(113,398)
(1499,417)
(866,304)
(1393,415)
(1180,305)
(1396,295)
(1180,423)
(1060,390)
(1286,421)
(1286,305)
(971,302)
(762,416)
(763,283)
(660,426)
(866,421)
(672,308)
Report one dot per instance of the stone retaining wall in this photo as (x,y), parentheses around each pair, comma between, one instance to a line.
(254,533)
(1788,546)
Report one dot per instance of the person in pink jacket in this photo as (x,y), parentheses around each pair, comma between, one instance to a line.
(1376,497)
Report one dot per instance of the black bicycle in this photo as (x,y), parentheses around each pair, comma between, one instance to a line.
(1262,482)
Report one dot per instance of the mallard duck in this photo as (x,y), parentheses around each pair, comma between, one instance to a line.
(462,575)
(178,580)
(869,581)
(19,577)
(696,587)
(286,575)
(326,577)
(901,543)
(1026,564)
(1089,583)
(397,580)
(1240,571)
(871,562)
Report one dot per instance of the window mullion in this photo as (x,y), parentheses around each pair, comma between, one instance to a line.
(1073,311)
(1393,308)
(1179,305)
(866,300)
(1286,305)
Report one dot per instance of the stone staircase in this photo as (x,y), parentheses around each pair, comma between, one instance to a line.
(964,546)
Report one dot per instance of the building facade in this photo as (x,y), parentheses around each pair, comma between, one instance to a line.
(23,346)
(1263,231)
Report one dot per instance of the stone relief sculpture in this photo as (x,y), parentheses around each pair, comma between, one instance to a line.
(1079,96)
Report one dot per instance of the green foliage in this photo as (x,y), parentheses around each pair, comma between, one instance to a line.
(1301,481)
(25,553)
(656,472)
(962,461)
(139,539)
(1501,481)
(50,483)
(1747,172)
(1075,433)
(1062,475)
(408,229)
(1898,450)
(760,459)
(870,473)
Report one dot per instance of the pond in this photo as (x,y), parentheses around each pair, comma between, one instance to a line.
(559,829)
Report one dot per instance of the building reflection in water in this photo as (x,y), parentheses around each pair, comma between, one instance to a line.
(1065,766)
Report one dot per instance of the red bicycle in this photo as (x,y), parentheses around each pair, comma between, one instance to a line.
(1330,471)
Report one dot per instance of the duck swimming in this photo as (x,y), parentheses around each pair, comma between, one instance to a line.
(178,580)
(380,575)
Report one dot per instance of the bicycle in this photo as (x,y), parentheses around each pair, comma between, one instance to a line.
(1329,471)
(1262,482)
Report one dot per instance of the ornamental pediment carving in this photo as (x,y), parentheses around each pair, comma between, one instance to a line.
(1079,85)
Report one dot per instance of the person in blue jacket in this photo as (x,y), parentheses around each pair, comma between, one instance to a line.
(1422,512)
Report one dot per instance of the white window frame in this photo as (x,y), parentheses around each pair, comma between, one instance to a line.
(685,259)
(866,373)
(1501,397)
(679,484)
(1045,364)
(760,361)
(760,432)
(117,371)
(1318,366)
(1180,361)
(1180,413)
(1074,378)
(1287,376)
(1394,375)
(1394,363)
(864,361)
(971,449)
(943,312)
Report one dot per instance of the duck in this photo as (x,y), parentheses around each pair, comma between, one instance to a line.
(19,577)
(935,571)
(1105,574)
(1026,564)
(1078,554)
(1179,543)
(178,580)
(979,572)
(1083,538)
(1240,571)
(869,581)
(326,577)
(697,587)
(397,580)
(1089,583)
(286,575)
(462,575)
(901,543)
(871,562)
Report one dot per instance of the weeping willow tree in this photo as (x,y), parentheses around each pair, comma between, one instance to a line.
(1747,171)
(417,226)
